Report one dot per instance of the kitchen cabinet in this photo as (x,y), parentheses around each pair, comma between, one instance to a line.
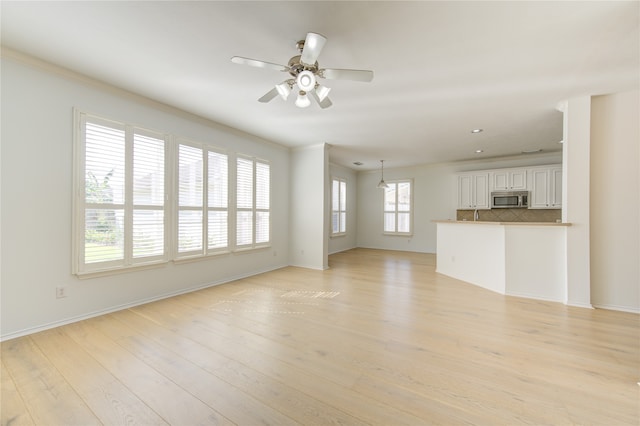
(473,191)
(510,180)
(544,183)
(546,188)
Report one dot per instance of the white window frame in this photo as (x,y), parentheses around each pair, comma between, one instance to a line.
(396,212)
(170,204)
(342,209)
(253,208)
(203,207)
(80,205)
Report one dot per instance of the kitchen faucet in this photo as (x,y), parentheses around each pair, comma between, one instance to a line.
(476,215)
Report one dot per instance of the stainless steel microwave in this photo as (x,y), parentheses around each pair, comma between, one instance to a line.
(510,200)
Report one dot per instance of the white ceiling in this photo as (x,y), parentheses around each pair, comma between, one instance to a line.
(440,68)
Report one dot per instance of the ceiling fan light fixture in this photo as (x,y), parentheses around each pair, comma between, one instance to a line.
(305,71)
(303,100)
(283,90)
(306,81)
(322,92)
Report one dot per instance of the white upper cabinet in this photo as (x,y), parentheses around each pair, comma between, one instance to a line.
(473,191)
(510,180)
(546,188)
(544,183)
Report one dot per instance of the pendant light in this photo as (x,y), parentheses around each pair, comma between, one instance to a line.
(382,183)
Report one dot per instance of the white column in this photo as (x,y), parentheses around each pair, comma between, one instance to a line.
(575,205)
(308,215)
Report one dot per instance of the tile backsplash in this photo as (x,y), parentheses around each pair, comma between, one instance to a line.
(512,215)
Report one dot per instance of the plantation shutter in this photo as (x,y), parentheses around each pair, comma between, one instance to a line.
(343,206)
(244,206)
(390,207)
(335,206)
(404,207)
(263,177)
(398,207)
(104,190)
(190,200)
(338,206)
(217,211)
(253,203)
(148,196)
(121,205)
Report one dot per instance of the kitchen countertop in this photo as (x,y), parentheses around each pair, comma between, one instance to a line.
(479,222)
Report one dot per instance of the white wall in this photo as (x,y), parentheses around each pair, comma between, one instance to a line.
(536,260)
(615,201)
(474,253)
(348,241)
(36,173)
(309,227)
(435,198)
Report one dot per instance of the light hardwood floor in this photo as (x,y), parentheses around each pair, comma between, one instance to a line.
(379,339)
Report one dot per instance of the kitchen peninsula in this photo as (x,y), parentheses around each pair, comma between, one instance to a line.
(525,259)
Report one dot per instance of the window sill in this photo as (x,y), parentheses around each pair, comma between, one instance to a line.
(398,234)
(243,250)
(152,265)
(122,270)
(196,258)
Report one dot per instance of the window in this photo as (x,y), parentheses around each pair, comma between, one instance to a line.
(252,203)
(120,207)
(190,200)
(398,209)
(217,201)
(202,181)
(145,198)
(338,206)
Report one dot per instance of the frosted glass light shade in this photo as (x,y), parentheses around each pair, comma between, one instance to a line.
(283,90)
(322,92)
(306,81)
(303,100)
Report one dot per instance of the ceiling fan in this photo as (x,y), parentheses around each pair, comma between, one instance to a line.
(305,71)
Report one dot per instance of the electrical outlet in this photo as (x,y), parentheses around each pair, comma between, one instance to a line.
(61,292)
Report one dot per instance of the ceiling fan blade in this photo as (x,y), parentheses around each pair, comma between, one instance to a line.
(313,45)
(356,75)
(258,64)
(269,95)
(325,103)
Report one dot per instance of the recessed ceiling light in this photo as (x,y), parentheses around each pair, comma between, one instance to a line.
(476,131)
(479,151)
(561,141)
(358,163)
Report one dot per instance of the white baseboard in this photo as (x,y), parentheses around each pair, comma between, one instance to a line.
(580,305)
(532,296)
(630,309)
(48,326)
(341,250)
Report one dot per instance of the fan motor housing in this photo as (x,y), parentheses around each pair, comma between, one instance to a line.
(296,67)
